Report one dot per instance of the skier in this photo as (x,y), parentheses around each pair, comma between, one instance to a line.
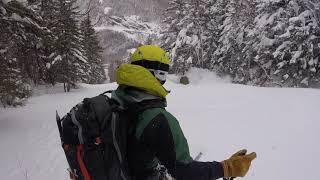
(158,138)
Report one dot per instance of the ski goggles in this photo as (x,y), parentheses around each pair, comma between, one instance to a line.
(152,65)
(159,74)
(158,69)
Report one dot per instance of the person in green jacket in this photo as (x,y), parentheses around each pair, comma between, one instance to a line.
(158,138)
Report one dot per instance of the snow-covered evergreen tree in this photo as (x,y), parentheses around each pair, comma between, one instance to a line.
(173,25)
(13,87)
(48,9)
(92,50)
(20,32)
(214,17)
(183,36)
(286,43)
(70,62)
(230,58)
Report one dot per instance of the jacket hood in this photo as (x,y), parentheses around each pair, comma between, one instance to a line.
(140,78)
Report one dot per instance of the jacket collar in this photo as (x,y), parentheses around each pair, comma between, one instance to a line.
(127,96)
(140,78)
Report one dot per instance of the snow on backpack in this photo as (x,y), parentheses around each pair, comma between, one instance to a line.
(94,139)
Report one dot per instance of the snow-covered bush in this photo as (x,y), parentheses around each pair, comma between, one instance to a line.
(184,80)
(14,93)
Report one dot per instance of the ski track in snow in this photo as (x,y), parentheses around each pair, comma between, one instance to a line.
(281,125)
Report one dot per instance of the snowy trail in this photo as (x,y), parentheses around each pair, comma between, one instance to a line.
(30,147)
(281,125)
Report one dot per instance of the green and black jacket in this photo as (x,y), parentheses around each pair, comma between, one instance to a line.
(157,138)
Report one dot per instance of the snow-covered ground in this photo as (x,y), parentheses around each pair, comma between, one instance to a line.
(218,118)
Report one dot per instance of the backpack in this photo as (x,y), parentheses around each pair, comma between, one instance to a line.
(94,138)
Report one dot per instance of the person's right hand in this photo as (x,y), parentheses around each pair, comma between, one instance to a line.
(238,164)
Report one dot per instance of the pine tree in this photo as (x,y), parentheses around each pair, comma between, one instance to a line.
(213,14)
(19,31)
(48,9)
(236,25)
(92,50)
(184,34)
(13,87)
(287,41)
(70,62)
(173,25)
(199,19)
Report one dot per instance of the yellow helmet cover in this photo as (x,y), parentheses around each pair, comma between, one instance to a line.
(150,53)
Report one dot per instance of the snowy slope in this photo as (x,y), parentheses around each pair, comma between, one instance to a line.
(131,27)
(281,125)
(124,24)
(118,34)
(150,10)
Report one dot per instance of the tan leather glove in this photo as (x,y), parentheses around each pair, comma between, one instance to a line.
(238,164)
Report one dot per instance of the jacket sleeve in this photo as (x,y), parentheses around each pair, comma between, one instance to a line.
(166,140)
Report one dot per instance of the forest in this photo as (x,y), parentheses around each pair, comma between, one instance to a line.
(269,43)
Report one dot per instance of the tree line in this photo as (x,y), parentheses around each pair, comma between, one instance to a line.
(45,42)
(257,42)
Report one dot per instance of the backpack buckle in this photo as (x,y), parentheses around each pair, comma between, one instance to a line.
(98,141)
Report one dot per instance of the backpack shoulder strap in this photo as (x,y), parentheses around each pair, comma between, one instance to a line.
(107,92)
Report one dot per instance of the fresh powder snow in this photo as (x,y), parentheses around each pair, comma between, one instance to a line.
(218,118)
